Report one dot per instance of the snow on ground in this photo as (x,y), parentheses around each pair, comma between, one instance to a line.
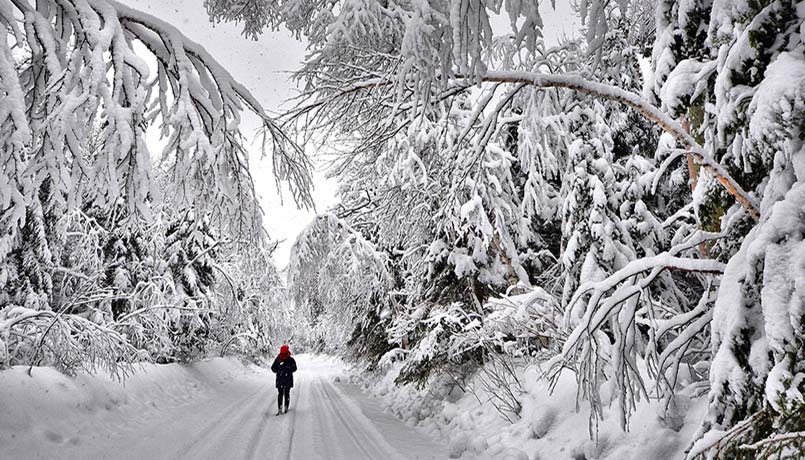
(549,428)
(222,409)
(217,409)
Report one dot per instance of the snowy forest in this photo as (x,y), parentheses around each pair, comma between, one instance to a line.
(625,207)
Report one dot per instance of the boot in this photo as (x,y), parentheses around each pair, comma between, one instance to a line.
(285,411)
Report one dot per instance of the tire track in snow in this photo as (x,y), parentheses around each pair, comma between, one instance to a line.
(286,440)
(320,440)
(293,428)
(289,449)
(258,437)
(224,423)
(344,423)
(358,426)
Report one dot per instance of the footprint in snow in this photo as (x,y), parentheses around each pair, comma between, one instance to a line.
(54,437)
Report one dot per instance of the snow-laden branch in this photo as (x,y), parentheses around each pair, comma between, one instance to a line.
(606,326)
(600,308)
(606,295)
(67,341)
(584,86)
(642,106)
(78,93)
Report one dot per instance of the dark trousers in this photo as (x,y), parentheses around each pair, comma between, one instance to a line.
(284,393)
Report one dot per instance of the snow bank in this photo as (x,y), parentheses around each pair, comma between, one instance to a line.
(46,411)
(550,427)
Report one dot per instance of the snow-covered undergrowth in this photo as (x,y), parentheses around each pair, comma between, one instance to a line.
(549,426)
(47,411)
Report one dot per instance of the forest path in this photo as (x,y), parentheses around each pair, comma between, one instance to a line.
(328,420)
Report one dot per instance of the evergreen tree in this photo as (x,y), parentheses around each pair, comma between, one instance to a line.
(190,252)
(26,274)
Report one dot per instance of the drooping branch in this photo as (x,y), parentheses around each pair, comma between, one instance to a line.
(595,89)
(601,307)
(84,75)
(643,107)
(610,310)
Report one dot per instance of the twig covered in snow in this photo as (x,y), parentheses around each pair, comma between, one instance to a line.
(69,342)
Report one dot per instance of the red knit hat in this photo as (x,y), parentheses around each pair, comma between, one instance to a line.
(285,350)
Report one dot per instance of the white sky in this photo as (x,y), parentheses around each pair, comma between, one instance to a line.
(263,66)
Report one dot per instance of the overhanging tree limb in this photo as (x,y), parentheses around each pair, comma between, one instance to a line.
(643,107)
(595,89)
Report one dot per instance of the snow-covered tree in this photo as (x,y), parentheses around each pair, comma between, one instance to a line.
(338,281)
(735,71)
(84,199)
(639,224)
(123,70)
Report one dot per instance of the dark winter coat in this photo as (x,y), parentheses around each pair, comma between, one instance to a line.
(284,370)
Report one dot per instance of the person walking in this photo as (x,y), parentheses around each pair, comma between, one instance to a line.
(284,366)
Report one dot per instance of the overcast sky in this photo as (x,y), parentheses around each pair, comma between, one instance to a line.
(263,67)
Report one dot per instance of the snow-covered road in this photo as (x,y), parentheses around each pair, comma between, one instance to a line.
(234,419)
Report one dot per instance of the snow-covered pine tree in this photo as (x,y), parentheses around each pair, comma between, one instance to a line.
(26,272)
(190,253)
(126,258)
(735,70)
